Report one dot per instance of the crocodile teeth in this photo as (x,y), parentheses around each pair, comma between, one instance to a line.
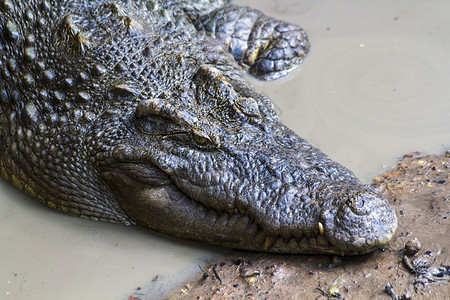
(321,229)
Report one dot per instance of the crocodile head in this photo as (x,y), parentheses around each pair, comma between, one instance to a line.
(133,116)
(214,163)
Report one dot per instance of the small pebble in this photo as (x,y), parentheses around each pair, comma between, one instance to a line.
(412,247)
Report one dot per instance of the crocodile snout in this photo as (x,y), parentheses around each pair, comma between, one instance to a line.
(362,223)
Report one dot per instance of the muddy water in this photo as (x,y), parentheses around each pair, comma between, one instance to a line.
(374,87)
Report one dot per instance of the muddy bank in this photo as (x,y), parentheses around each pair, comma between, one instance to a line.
(418,188)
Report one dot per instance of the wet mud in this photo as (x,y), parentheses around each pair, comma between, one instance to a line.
(415,265)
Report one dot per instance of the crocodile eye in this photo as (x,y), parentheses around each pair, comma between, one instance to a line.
(201,140)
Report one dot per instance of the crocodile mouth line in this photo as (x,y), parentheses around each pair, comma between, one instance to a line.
(253,231)
(232,227)
(313,241)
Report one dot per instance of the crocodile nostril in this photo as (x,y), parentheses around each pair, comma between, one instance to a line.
(356,204)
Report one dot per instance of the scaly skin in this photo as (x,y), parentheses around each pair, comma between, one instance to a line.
(135,112)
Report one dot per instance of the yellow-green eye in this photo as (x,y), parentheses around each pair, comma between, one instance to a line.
(200,139)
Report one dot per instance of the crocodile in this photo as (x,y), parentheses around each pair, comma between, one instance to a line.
(138,112)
